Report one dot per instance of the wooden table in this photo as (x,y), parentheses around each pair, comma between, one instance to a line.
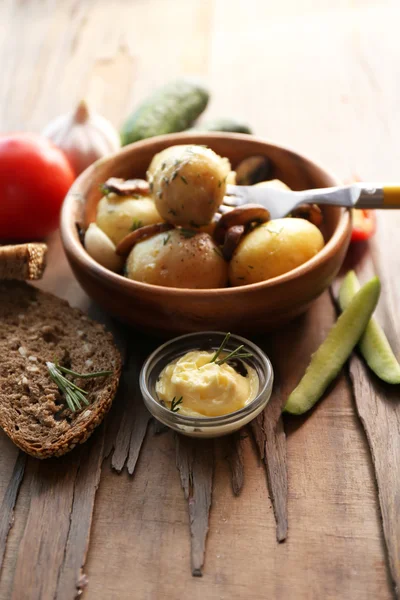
(321,77)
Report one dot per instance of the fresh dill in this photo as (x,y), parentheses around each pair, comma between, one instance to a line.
(136,225)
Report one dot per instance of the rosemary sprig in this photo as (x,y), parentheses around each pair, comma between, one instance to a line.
(73,394)
(175,404)
(222,346)
(83,375)
(234,354)
(237,353)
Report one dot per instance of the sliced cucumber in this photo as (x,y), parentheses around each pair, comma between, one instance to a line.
(335,349)
(373,345)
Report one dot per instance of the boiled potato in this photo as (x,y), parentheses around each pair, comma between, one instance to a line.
(119,215)
(273,183)
(188,184)
(178,259)
(274,248)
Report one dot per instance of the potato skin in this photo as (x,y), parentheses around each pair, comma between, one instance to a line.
(173,260)
(188,183)
(274,248)
(118,215)
(273,183)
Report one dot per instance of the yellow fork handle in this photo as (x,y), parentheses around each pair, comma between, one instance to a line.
(391,196)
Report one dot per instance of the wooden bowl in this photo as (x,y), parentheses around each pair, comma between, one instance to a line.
(248,309)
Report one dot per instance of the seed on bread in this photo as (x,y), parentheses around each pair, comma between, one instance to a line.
(33,411)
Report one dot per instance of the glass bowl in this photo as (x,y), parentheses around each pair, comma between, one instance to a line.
(205,427)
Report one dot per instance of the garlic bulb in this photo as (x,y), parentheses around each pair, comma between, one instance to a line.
(84,136)
(102,249)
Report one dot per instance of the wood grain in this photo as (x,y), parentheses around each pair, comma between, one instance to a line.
(378,403)
(57,529)
(8,503)
(271,443)
(234,456)
(194,460)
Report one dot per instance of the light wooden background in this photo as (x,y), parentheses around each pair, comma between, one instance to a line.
(324,78)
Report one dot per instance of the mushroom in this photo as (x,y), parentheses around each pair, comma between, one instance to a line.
(310,212)
(242,215)
(253,170)
(126,187)
(127,243)
(231,241)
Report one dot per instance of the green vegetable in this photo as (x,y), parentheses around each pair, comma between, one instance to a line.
(174,107)
(335,349)
(223,125)
(374,345)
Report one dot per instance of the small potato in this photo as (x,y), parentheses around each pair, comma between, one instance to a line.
(274,248)
(188,184)
(174,260)
(119,215)
(102,249)
(273,183)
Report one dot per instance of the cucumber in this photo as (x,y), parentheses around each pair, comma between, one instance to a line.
(174,107)
(335,349)
(223,125)
(373,345)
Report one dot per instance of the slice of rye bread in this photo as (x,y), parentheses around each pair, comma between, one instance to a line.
(23,261)
(38,327)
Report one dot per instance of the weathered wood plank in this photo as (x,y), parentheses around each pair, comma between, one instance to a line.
(377,403)
(8,502)
(134,418)
(47,527)
(194,460)
(270,439)
(57,530)
(234,456)
(71,578)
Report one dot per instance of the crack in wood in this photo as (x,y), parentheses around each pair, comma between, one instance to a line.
(195,463)
(133,419)
(86,484)
(9,501)
(57,531)
(270,439)
(234,457)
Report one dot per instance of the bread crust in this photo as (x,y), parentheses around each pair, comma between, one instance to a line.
(23,261)
(40,327)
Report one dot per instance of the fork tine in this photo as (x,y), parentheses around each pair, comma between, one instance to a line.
(224,209)
(230,200)
(232,190)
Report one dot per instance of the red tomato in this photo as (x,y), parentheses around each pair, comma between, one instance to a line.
(364,224)
(34,179)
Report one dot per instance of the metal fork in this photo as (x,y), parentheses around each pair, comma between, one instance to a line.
(280,203)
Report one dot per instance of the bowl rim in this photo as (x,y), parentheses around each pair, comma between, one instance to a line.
(72,244)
